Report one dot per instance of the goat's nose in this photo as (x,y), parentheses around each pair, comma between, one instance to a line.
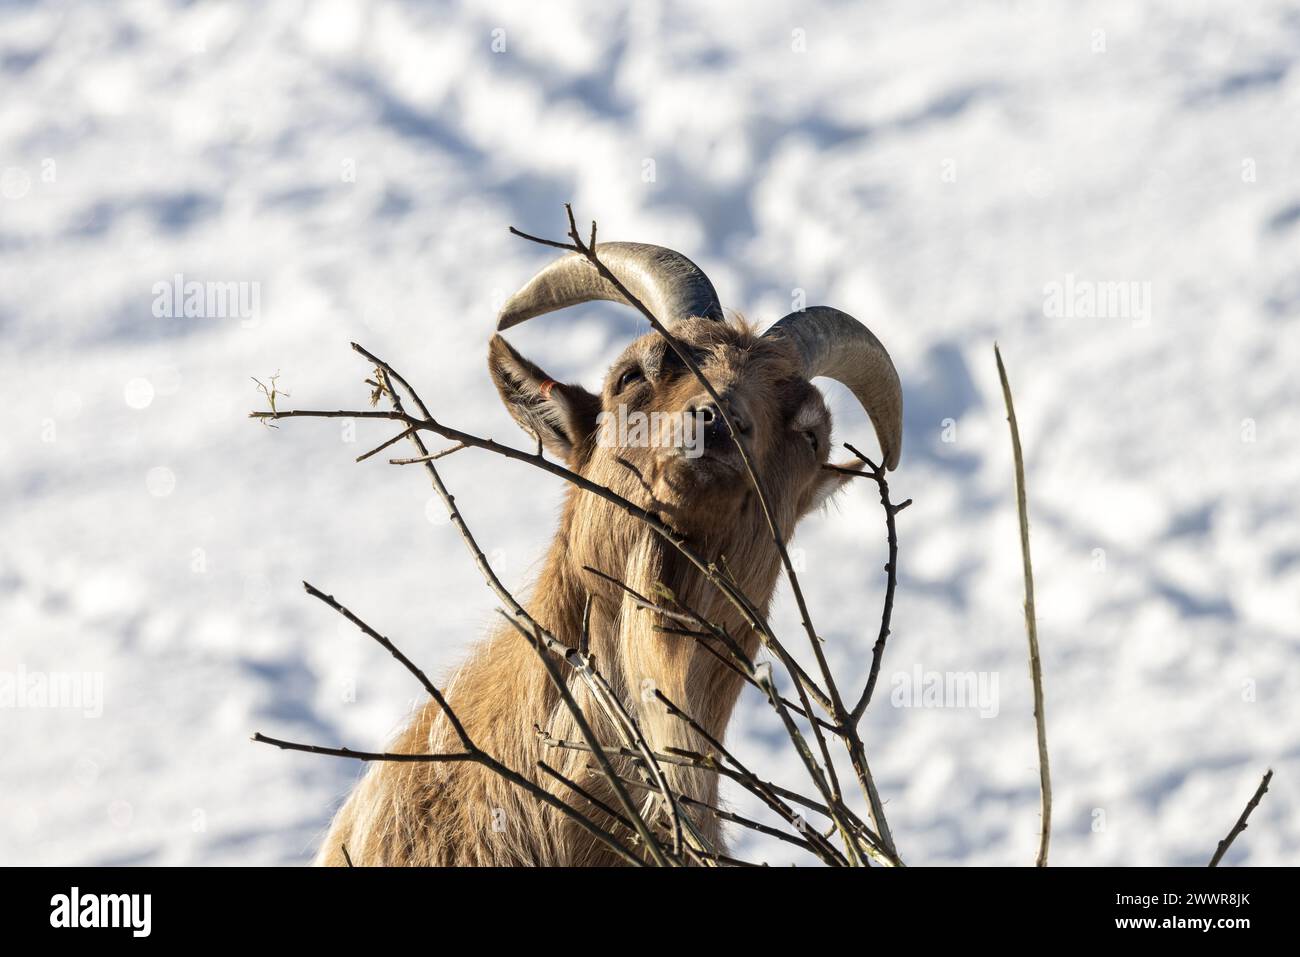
(712,417)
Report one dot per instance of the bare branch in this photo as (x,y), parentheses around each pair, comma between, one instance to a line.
(584,641)
(432,457)
(877,473)
(334,414)
(1031,623)
(366,755)
(1241,821)
(406,662)
(379,448)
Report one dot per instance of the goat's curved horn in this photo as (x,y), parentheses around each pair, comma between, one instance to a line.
(834,344)
(669,284)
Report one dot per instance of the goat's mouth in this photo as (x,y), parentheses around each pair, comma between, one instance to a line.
(700,488)
(712,464)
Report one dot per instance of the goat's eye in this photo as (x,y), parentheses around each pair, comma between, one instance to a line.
(812,440)
(630,377)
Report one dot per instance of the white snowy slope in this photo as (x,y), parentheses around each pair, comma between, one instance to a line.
(932,168)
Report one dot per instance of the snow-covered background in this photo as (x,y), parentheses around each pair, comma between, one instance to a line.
(929,167)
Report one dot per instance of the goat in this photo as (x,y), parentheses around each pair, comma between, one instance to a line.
(463,814)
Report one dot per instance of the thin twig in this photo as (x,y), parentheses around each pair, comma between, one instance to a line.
(1241,821)
(397,653)
(432,457)
(379,448)
(394,756)
(584,639)
(877,472)
(1031,623)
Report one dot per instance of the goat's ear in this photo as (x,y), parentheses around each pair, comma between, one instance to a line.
(562,416)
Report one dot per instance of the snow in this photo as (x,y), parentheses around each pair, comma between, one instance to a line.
(929,167)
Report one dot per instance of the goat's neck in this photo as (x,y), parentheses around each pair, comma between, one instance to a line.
(639,660)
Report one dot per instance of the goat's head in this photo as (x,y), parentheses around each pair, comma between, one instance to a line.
(654,434)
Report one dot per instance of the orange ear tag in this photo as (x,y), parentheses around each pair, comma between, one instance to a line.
(546,387)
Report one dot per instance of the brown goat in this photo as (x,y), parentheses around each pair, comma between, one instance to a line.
(681,464)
